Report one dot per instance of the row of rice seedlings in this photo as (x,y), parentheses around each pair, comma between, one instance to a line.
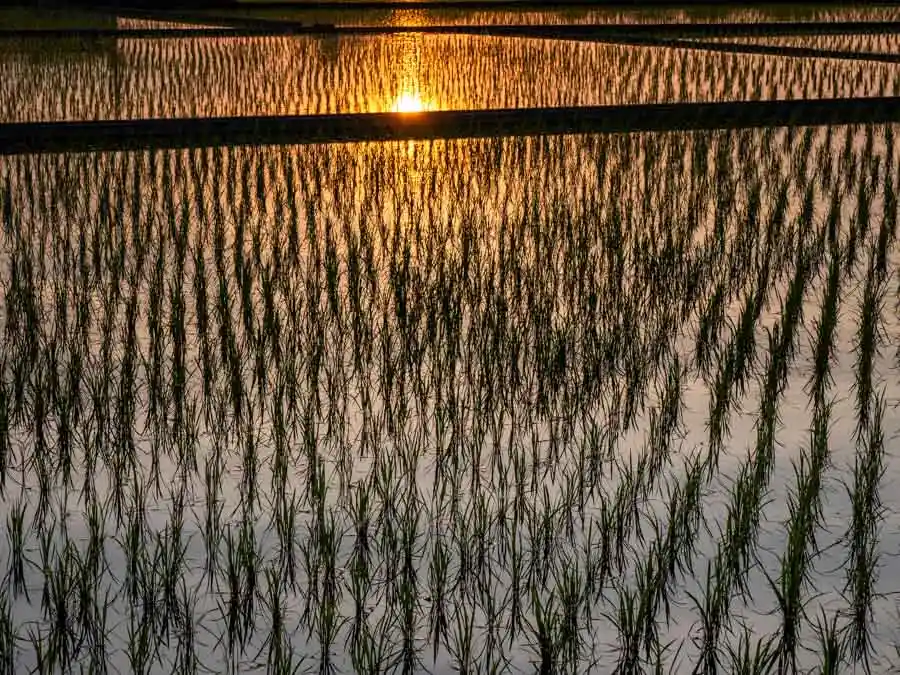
(805,518)
(738,364)
(862,538)
(823,336)
(867,509)
(869,337)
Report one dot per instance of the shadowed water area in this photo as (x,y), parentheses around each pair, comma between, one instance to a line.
(564,403)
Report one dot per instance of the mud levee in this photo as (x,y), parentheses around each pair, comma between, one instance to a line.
(231,131)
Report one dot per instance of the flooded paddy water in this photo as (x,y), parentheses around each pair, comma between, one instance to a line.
(572,403)
(129,79)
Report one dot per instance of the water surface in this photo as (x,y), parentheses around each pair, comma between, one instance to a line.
(480,338)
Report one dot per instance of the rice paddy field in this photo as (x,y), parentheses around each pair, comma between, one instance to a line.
(611,403)
(139,78)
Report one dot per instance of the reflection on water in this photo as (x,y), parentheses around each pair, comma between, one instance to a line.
(513,351)
(305,75)
(410,98)
(409,102)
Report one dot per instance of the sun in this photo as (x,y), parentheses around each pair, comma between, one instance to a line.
(408,102)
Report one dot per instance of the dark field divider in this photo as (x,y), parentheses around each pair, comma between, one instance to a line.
(547,5)
(542,32)
(44,137)
(218,25)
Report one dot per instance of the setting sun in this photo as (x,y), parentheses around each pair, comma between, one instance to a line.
(408,102)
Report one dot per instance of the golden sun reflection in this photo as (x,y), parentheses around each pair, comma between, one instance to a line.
(409,102)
